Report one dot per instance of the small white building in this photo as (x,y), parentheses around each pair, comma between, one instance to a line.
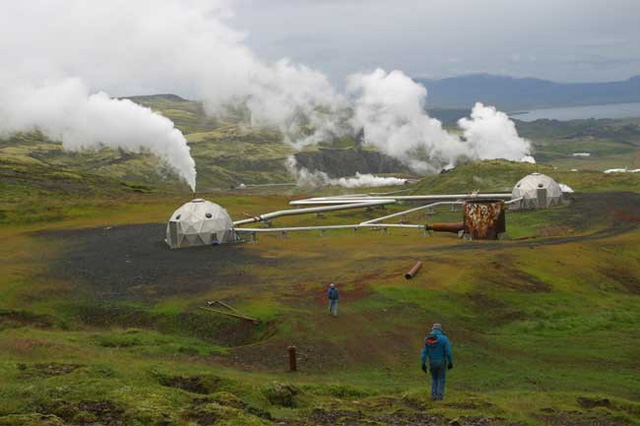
(537,191)
(198,223)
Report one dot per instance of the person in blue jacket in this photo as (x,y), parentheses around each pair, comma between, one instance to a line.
(438,350)
(333,295)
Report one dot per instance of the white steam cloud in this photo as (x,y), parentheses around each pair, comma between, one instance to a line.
(59,53)
(390,107)
(67,112)
(316,179)
(490,134)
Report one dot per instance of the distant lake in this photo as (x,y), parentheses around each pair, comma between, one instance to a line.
(628,110)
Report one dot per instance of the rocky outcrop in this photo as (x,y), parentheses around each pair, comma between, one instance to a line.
(346,162)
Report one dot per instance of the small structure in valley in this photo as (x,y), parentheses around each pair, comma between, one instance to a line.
(537,191)
(198,223)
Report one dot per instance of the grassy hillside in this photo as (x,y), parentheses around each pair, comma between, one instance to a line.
(229,152)
(502,175)
(100,322)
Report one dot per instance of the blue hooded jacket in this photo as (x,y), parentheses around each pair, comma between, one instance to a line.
(333,294)
(437,348)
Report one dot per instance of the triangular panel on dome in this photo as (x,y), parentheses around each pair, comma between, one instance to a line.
(537,191)
(199,222)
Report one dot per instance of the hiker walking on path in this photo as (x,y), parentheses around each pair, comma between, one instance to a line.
(333,295)
(438,350)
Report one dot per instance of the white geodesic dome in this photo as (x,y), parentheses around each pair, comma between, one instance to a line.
(537,191)
(198,223)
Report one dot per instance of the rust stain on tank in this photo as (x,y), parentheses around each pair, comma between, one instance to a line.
(484,219)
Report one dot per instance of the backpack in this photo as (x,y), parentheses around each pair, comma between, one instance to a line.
(431,339)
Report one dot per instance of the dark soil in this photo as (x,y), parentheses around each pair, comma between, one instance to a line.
(84,413)
(504,275)
(499,312)
(46,369)
(320,417)
(15,319)
(195,384)
(282,394)
(133,262)
(593,402)
(577,418)
(348,162)
(627,278)
(223,330)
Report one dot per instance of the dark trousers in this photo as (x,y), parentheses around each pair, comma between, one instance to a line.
(438,371)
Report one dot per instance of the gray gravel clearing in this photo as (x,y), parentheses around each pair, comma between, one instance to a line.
(133,262)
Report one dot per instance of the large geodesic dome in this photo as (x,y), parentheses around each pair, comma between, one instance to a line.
(537,191)
(198,223)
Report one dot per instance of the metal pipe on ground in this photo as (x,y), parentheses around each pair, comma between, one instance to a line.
(453,227)
(246,318)
(294,212)
(378,219)
(413,271)
(443,197)
(329,227)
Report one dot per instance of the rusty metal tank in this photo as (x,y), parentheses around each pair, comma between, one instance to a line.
(484,219)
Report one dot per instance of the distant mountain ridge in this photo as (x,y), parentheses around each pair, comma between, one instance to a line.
(510,93)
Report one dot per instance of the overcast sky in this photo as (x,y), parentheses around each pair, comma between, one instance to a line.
(562,40)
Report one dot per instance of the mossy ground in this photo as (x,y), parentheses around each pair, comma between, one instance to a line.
(544,330)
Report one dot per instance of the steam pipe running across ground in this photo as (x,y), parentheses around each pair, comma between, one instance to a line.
(293,212)
(330,227)
(362,199)
(346,202)
(404,212)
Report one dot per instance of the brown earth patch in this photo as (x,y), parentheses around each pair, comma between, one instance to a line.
(322,417)
(350,290)
(554,231)
(16,319)
(45,370)
(627,216)
(593,402)
(24,346)
(499,312)
(207,326)
(272,356)
(207,411)
(578,418)
(33,419)
(469,405)
(628,279)
(85,413)
(195,384)
(507,276)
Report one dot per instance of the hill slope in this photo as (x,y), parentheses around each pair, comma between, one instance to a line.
(502,175)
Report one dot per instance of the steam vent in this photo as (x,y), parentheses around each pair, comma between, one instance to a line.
(199,223)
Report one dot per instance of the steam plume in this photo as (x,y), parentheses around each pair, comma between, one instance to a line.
(187,47)
(66,111)
(490,134)
(390,107)
(316,179)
